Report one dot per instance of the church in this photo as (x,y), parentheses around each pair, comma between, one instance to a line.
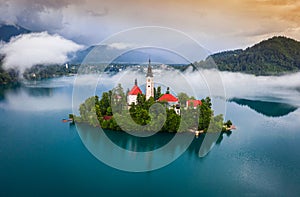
(171,100)
(135,90)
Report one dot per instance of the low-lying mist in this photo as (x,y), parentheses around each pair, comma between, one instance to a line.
(220,86)
(194,83)
(283,89)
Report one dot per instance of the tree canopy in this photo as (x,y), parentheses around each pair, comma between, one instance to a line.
(112,106)
(275,56)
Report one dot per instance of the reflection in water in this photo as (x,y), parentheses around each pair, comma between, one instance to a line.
(5,89)
(200,148)
(39,92)
(133,160)
(267,108)
(121,147)
(28,98)
(220,139)
(139,144)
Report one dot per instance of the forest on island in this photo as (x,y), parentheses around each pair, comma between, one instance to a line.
(111,112)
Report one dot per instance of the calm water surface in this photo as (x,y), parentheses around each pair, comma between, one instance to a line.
(41,156)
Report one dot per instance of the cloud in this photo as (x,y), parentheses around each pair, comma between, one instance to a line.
(27,50)
(120,45)
(97,13)
(217,25)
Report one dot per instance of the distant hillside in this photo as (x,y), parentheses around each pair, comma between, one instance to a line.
(9,76)
(136,56)
(8,31)
(275,56)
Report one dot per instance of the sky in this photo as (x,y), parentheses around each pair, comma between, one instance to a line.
(216,25)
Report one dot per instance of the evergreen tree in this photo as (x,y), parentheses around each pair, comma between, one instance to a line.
(168,90)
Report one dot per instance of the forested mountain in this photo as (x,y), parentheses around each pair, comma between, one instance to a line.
(8,31)
(275,56)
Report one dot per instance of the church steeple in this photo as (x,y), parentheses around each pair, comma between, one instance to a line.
(149,82)
(149,72)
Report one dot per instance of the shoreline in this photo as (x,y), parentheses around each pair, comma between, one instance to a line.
(195,132)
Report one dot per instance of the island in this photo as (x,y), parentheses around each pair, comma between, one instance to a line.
(134,108)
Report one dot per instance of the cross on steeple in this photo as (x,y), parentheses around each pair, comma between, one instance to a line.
(149,72)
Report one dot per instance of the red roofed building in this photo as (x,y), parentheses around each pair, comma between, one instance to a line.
(193,103)
(107,117)
(168,98)
(132,95)
(135,90)
(172,102)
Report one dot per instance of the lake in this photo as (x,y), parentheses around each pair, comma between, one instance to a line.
(41,156)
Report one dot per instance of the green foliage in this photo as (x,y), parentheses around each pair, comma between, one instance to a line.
(228,123)
(216,124)
(168,90)
(39,72)
(112,105)
(206,113)
(277,55)
(183,97)
(8,76)
(157,93)
(104,103)
(173,121)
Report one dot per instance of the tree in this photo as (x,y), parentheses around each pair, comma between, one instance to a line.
(172,122)
(157,93)
(168,90)
(183,97)
(104,103)
(216,124)
(141,98)
(205,115)
(118,99)
(228,123)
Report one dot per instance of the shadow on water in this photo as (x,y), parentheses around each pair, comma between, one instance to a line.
(198,143)
(267,108)
(39,92)
(139,144)
(4,89)
(31,91)
(199,147)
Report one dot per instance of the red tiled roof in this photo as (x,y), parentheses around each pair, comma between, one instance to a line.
(193,103)
(168,98)
(107,117)
(135,90)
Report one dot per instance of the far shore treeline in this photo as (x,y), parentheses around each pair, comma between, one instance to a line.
(112,106)
(275,56)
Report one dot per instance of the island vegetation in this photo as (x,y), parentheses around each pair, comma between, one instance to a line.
(99,112)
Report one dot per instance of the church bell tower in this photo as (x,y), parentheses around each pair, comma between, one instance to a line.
(149,82)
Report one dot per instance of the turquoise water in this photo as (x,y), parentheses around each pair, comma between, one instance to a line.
(41,156)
